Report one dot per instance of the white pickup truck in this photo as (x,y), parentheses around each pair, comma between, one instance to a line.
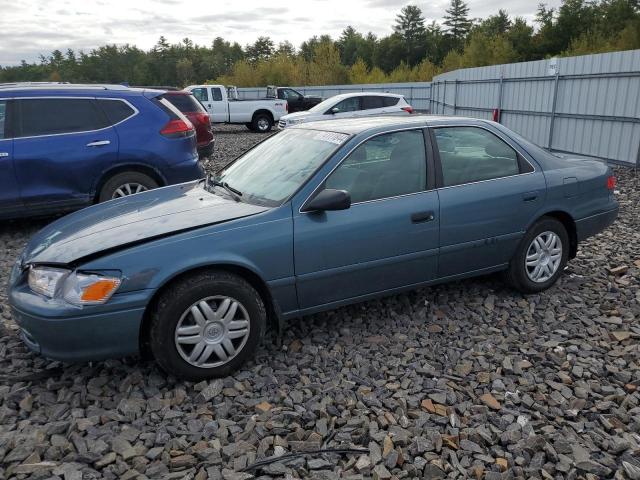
(224,106)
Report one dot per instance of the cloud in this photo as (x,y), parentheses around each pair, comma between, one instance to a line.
(31,28)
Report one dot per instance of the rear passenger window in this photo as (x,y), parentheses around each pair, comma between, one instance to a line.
(369,103)
(3,116)
(51,116)
(471,154)
(390,101)
(216,94)
(115,110)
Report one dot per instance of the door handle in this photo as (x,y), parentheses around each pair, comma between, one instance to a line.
(530,196)
(98,143)
(422,217)
(3,154)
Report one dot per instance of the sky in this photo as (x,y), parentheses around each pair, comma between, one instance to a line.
(29,28)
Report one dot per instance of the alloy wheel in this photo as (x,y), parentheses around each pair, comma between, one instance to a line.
(128,189)
(544,257)
(212,331)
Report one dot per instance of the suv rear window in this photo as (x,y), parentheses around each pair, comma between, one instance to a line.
(115,110)
(51,116)
(184,102)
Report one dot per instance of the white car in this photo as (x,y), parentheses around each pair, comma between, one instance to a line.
(223,106)
(348,105)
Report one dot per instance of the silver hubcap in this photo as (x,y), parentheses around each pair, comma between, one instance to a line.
(263,124)
(543,257)
(212,331)
(128,189)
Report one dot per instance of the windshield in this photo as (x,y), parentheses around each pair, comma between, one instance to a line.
(272,171)
(324,105)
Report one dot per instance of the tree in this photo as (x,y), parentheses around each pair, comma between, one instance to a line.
(457,21)
(496,24)
(410,27)
(262,49)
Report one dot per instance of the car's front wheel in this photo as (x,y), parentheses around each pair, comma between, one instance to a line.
(207,325)
(540,258)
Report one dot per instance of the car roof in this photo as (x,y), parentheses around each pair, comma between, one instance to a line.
(356,125)
(61,89)
(367,94)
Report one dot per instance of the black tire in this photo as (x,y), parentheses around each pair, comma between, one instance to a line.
(112,185)
(249,126)
(517,275)
(262,123)
(179,297)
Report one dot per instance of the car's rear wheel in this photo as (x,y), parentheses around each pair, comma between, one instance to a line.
(262,123)
(540,258)
(207,325)
(125,184)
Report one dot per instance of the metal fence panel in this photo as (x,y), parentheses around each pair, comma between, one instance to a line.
(418,94)
(586,105)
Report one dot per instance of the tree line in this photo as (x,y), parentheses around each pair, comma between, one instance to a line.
(415,51)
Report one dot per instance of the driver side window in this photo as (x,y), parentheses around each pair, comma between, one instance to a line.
(347,105)
(384,166)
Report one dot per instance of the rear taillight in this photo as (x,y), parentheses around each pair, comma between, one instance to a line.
(407,109)
(177,128)
(286,107)
(611,182)
(203,118)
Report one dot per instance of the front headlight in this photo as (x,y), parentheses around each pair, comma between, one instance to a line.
(46,280)
(74,287)
(89,288)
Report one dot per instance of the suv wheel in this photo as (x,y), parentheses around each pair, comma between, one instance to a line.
(262,123)
(207,325)
(125,184)
(540,258)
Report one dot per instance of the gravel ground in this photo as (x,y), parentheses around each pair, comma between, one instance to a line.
(465,380)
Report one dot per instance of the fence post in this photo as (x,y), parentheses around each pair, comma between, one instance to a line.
(411,95)
(455,96)
(444,98)
(500,99)
(553,110)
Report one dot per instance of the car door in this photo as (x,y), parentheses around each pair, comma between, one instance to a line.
(387,239)
(489,193)
(61,146)
(293,98)
(211,99)
(9,190)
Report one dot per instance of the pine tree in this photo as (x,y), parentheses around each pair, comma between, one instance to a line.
(457,20)
(410,26)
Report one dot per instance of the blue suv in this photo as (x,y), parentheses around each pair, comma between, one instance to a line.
(64,146)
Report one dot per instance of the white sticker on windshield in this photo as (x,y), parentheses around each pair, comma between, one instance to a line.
(332,137)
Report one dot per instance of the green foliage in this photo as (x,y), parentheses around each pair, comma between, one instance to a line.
(413,52)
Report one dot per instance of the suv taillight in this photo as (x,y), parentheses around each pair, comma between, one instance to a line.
(407,109)
(177,128)
(611,182)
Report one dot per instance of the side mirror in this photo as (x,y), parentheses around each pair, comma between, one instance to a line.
(329,199)
(335,110)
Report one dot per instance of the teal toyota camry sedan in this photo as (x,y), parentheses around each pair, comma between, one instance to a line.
(317,216)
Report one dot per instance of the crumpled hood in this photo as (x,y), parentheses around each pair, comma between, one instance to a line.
(132,219)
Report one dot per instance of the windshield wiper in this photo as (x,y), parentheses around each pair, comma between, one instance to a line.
(211,180)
